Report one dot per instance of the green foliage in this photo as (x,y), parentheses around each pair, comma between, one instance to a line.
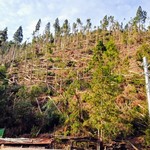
(48,47)
(2,72)
(22,93)
(98,50)
(36,90)
(3,79)
(73,108)
(103,112)
(23,116)
(143,51)
(22,109)
(52,116)
(51,60)
(51,73)
(147,137)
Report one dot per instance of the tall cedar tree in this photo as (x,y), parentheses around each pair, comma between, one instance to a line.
(47,28)
(18,35)
(74,28)
(66,27)
(104,23)
(57,27)
(88,24)
(141,16)
(79,23)
(3,35)
(37,28)
(103,113)
(38,25)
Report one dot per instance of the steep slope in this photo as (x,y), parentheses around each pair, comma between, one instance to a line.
(56,79)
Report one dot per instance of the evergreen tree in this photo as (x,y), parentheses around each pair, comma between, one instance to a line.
(3,43)
(38,25)
(66,27)
(74,28)
(57,27)
(18,35)
(79,23)
(111,22)
(3,35)
(103,113)
(141,16)
(104,23)
(37,28)
(88,24)
(47,28)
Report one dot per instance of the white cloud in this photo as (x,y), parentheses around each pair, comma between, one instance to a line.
(25,9)
(14,13)
(51,7)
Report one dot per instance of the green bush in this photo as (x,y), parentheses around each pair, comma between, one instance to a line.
(53,117)
(23,116)
(2,72)
(51,60)
(51,73)
(143,51)
(147,137)
(36,90)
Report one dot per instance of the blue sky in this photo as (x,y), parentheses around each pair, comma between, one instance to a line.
(14,13)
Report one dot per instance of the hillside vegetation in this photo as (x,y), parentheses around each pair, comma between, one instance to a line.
(88,82)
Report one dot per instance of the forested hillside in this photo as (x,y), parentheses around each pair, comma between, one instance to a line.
(78,81)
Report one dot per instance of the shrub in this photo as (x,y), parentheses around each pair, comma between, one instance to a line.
(144,50)
(147,137)
(36,90)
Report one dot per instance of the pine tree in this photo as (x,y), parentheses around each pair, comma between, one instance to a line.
(18,35)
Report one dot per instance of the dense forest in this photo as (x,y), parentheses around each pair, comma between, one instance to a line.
(79,81)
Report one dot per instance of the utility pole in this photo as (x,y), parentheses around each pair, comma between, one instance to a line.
(147,82)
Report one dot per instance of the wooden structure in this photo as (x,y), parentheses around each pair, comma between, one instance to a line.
(63,142)
(26,142)
(54,142)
